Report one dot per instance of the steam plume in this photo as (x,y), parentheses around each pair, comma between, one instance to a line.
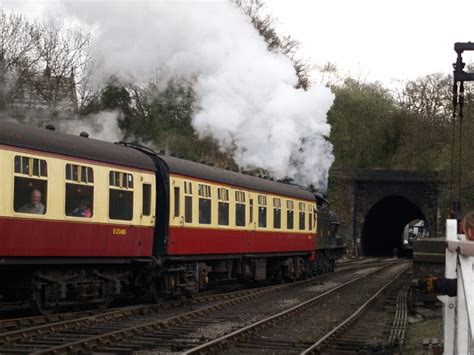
(246,93)
(102,125)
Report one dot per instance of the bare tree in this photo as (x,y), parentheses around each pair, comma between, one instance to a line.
(429,97)
(18,58)
(43,64)
(64,52)
(286,45)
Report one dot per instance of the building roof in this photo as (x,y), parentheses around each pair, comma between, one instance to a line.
(19,135)
(206,172)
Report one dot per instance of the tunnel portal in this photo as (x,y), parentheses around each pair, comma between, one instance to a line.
(381,202)
(383,226)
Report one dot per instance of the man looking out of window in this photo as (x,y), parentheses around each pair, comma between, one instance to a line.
(34,206)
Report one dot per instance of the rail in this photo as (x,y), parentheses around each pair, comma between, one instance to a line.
(240,334)
(459,311)
(336,331)
(11,339)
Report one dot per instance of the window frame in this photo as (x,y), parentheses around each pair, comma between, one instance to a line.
(30,176)
(148,201)
(188,196)
(262,206)
(204,193)
(79,182)
(276,211)
(121,188)
(223,200)
(176,202)
(315,218)
(239,202)
(251,208)
(301,213)
(290,208)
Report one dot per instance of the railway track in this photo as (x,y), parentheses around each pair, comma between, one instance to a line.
(372,328)
(293,330)
(11,324)
(9,309)
(18,329)
(15,323)
(127,329)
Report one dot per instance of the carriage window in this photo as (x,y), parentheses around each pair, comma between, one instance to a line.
(262,211)
(289,215)
(79,173)
(120,196)
(223,207)
(188,209)
(146,203)
(251,210)
(30,166)
(302,210)
(276,213)
(79,191)
(204,204)
(121,180)
(188,202)
(188,188)
(315,217)
(311,216)
(176,202)
(240,208)
(31,184)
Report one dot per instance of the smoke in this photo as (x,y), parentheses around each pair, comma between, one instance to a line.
(103,125)
(246,94)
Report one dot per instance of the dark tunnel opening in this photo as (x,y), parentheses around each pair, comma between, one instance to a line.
(384,224)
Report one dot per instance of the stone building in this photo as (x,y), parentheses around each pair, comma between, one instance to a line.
(46,92)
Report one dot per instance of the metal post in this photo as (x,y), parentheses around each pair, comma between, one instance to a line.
(449,311)
(462,322)
(458,312)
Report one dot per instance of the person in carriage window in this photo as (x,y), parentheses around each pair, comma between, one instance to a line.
(34,206)
(84,210)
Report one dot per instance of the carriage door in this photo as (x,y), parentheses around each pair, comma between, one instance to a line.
(148,201)
(252,224)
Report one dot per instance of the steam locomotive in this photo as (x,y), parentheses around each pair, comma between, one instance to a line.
(83,221)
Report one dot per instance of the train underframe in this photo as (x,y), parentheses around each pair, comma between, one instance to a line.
(49,286)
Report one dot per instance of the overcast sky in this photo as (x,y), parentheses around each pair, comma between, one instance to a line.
(383,40)
(379,40)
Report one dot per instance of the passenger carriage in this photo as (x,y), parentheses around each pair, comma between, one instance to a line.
(119,220)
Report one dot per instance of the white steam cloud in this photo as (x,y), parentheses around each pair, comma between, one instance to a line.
(246,93)
(102,125)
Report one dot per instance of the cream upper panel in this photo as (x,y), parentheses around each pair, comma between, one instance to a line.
(228,196)
(56,189)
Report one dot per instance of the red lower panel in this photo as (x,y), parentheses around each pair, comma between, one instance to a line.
(27,237)
(212,241)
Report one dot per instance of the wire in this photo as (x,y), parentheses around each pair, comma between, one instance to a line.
(453,139)
(461,104)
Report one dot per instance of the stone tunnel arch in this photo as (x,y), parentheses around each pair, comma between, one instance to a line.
(384,223)
(363,195)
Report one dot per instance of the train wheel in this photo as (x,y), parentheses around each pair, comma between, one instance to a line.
(45,300)
(155,290)
(279,279)
(104,304)
(106,297)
